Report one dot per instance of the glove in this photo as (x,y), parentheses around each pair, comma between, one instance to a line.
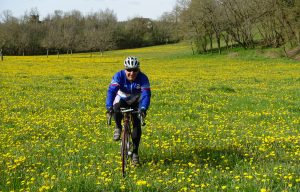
(109,113)
(142,115)
(110,110)
(143,112)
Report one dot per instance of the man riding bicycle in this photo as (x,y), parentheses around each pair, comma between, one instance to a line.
(129,88)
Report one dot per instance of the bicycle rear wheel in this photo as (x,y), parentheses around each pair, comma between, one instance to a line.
(125,149)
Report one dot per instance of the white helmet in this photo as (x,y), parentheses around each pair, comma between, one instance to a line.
(131,62)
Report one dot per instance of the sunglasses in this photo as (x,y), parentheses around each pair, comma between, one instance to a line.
(132,70)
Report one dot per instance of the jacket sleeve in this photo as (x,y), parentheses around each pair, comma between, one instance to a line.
(145,94)
(113,88)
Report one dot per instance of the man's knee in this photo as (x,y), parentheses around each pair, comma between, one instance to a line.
(136,132)
(116,107)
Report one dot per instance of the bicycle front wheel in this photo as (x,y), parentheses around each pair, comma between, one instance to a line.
(124,149)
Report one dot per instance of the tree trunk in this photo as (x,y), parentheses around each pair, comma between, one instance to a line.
(298,37)
(219,44)
(218,37)
(226,40)
(192,48)
(1,55)
(211,42)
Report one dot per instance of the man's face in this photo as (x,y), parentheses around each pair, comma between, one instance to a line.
(131,73)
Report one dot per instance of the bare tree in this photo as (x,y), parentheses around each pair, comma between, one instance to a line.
(3,39)
(196,26)
(166,29)
(23,38)
(54,36)
(47,41)
(9,29)
(29,33)
(139,32)
(288,17)
(72,29)
(99,31)
(240,21)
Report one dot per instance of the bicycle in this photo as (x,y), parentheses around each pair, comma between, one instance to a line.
(126,141)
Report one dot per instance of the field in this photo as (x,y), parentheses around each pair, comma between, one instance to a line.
(227,122)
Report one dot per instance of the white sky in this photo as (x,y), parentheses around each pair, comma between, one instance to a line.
(124,9)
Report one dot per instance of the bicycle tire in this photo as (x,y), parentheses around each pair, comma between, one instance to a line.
(124,150)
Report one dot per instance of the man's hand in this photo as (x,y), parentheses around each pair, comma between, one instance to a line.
(143,112)
(142,115)
(110,111)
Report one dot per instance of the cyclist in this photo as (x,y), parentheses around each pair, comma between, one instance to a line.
(129,88)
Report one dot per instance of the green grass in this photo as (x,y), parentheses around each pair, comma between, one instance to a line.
(216,123)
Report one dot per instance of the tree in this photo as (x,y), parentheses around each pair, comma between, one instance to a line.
(195,25)
(288,16)
(53,38)
(100,30)
(30,33)
(139,32)
(9,30)
(166,29)
(240,19)
(3,38)
(72,29)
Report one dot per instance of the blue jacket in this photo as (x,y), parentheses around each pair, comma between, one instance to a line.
(120,86)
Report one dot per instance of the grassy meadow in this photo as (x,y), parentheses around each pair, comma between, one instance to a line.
(227,122)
